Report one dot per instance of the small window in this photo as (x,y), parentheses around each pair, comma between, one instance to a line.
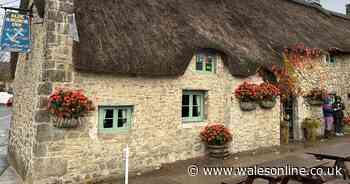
(112,119)
(331,59)
(193,106)
(199,62)
(206,62)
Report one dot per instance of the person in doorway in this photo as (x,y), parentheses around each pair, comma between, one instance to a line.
(338,114)
(328,116)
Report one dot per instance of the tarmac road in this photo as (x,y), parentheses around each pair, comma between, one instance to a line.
(5,118)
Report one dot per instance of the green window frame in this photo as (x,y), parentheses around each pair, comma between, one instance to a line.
(115,118)
(331,59)
(192,109)
(206,62)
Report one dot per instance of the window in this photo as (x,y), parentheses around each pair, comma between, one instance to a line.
(192,106)
(112,119)
(206,62)
(331,59)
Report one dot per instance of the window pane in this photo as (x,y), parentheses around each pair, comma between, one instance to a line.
(333,59)
(196,111)
(122,113)
(185,100)
(199,62)
(109,113)
(108,119)
(195,99)
(122,123)
(208,67)
(108,123)
(185,111)
(197,102)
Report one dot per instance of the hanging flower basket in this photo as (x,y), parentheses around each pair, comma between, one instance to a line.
(267,94)
(248,106)
(218,151)
(66,122)
(267,104)
(67,107)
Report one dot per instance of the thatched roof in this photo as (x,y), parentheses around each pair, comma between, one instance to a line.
(158,37)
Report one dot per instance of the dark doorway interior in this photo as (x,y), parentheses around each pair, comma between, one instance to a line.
(288,115)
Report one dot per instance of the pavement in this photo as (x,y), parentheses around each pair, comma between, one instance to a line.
(177,173)
(7,174)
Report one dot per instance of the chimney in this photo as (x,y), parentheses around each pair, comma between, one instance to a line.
(348,9)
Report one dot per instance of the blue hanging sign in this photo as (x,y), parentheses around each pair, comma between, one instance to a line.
(15,35)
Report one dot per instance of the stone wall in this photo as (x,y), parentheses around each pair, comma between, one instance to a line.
(157,135)
(256,129)
(330,76)
(22,131)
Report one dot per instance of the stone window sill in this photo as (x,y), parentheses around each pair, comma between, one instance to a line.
(193,124)
(112,135)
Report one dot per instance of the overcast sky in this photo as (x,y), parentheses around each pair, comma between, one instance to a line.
(335,5)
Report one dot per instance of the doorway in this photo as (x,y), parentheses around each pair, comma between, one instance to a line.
(288,110)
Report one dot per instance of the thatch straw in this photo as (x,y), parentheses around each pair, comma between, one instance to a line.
(159,37)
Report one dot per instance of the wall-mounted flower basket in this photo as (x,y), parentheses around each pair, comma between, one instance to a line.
(267,94)
(267,104)
(67,108)
(66,123)
(248,106)
(246,93)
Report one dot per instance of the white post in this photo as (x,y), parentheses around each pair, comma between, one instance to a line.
(126,152)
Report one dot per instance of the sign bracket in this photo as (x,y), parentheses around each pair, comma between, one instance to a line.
(29,11)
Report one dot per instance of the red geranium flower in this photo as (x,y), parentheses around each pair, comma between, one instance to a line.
(69,104)
(246,92)
(216,134)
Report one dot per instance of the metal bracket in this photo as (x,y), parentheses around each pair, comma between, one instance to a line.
(29,11)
